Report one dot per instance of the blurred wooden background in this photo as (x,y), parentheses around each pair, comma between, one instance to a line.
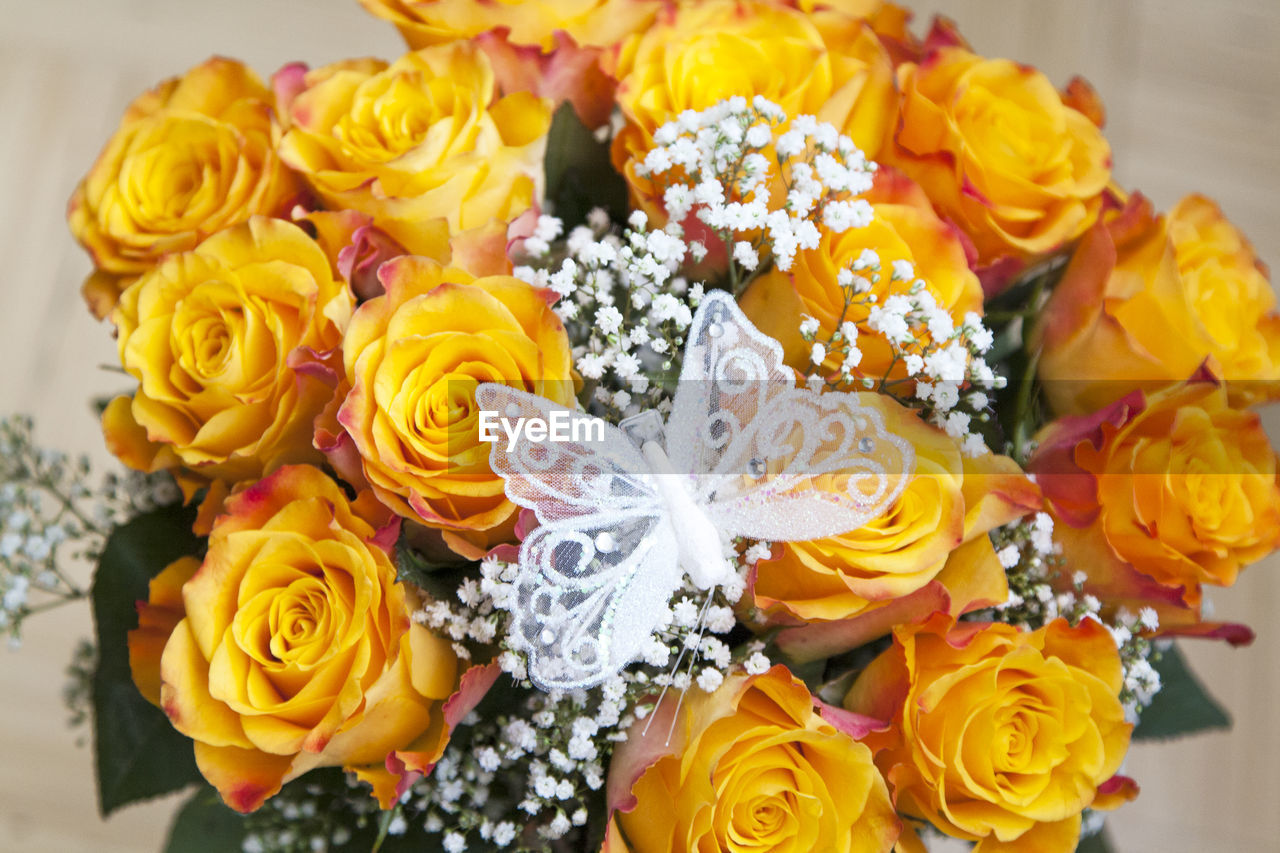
(1191,92)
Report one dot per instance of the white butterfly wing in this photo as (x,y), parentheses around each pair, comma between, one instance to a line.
(775,461)
(582,614)
(830,467)
(563,479)
(597,574)
(729,372)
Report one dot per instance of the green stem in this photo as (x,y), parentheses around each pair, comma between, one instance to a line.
(384,827)
(1022,406)
(884,384)
(69,506)
(75,590)
(844,312)
(32,609)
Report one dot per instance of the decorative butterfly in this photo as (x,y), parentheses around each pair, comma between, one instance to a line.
(746,452)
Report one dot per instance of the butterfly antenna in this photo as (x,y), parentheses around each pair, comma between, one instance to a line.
(693,658)
(675,668)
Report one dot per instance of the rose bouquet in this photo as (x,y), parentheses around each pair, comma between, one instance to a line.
(631,425)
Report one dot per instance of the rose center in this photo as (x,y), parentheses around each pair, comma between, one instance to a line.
(1010,133)
(300,622)
(384,125)
(763,822)
(168,186)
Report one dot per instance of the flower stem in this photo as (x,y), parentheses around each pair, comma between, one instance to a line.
(1022,428)
(53,603)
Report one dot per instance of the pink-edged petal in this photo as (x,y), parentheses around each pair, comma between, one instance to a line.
(1114,793)
(245,778)
(819,640)
(855,725)
(646,743)
(409,765)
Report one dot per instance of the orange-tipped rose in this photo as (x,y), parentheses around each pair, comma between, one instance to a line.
(424,145)
(1147,299)
(291,645)
(698,54)
(192,156)
(999,152)
(1159,494)
(752,766)
(229,345)
(592,23)
(905,230)
(950,501)
(550,49)
(888,21)
(413,358)
(928,551)
(999,736)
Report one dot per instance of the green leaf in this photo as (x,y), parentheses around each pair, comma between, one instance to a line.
(1182,706)
(1096,843)
(138,753)
(205,825)
(440,578)
(579,173)
(418,569)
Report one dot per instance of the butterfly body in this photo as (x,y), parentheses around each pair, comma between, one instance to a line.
(698,540)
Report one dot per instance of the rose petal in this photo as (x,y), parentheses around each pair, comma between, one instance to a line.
(244,778)
(819,640)
(856,726)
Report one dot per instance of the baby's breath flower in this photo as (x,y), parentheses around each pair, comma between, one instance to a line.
(709,679)
(51,513)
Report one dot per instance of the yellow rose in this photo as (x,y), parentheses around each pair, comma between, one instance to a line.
(413,359)
(697,54)
(294,648)
(1147,299)
(228,344)
(840,20)
(905,230)
(424,146)
(1160,493)
(999,152)
(551,48)
(999,736)
(592,23)
(750,767)
(936,530)
(192,156)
